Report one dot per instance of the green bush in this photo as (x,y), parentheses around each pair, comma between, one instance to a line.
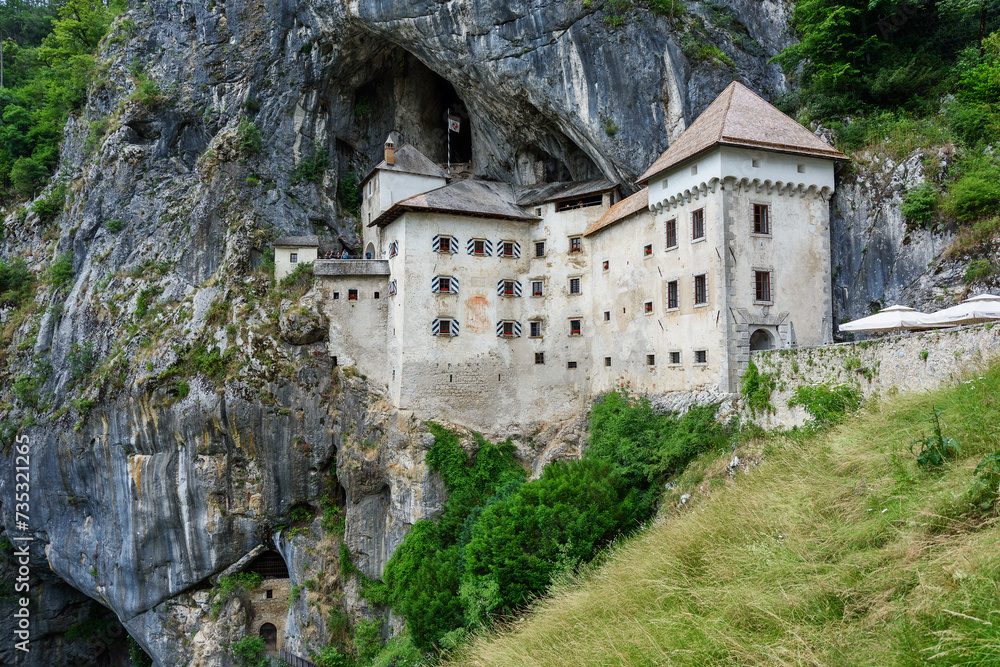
(367,640)
(933,450)
(976,192)
(349,194)
(137,656)
(148,92)
(81,360)
(27,175)
(756,388)
(919,203)
(15,282)
(114,226)
(672,8)
(826,404)
(248,137)
(249,652)
(312,168)
(61,271)
(51,205)
(145,299)
(234,584)
(979,269)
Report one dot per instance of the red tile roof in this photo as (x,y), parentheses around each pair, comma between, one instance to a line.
(741,117)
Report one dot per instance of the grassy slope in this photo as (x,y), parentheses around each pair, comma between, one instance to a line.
(837,550)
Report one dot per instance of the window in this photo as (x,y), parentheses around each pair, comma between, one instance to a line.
(675,358)
(647,308)
(650,359)
(574,285)
(698,224)
(673,300)
(694,170)
(539,248)
(607,315)
(575,244)
(534,329)
(647,250)
(293,258)
(672,233)
(701,356)
(570,364)
(700,290)
(761,222)
(754,163)
(539,357)
(352,295)
(392,288)
(444,326)
(801,168)
(574,327)
(479,247)
(393,248)
(607,362)
(336,295)
(269,594)
(444,285)
(571,204)
(447,244)
(538,212)
(509,249)
(762,286)
(607,264)
(508,329)
(376,295)
(510,288)
(537,287)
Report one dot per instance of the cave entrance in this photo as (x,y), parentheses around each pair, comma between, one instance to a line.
(269,565)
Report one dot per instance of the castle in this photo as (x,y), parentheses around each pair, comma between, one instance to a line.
(488,304)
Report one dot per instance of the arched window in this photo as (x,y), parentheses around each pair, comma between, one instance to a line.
(761,340)
(269,634)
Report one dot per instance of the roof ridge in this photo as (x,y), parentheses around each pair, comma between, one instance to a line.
(731,89)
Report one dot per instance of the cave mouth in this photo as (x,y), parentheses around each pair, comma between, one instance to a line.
(404,97)
(269,565)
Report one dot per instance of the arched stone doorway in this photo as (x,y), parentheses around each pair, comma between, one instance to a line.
(370,251)
(269,634)
(761,339)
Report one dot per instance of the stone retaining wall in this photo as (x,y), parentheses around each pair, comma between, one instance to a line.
(905,362)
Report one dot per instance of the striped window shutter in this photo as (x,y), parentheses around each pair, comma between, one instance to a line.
(435,243)
(517,250)
(470,247)
(517,329)
(392,288)
(500,248)
(500,328)
(436,327)
(454,327)
(454,245)
(500,287)
(436,284)
(517,288)
(454,285)
(489,248)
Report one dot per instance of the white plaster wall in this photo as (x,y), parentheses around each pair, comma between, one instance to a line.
(386,188)
(283,261)
(357,328)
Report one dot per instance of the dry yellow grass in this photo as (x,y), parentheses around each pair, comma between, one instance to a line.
(837,550)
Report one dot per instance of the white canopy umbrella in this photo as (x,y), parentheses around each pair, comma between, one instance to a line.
(893,318)
(982,308)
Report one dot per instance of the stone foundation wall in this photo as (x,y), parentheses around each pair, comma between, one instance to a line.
(906,362)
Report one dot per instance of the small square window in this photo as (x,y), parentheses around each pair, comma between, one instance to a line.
(538,212)
(507,249)
(334,360)
(694,170)
(508,329)
(701,356)
(647,250)
(754,163)
(700,290)
(607,361)
(647,308)
(650,359)
(698,224)
(673,296)
(607,264)
(535,329)
(269,594)
(293,258)
(536,287)
(479,247)
(444,285)
(675,358)
(508,288)
(336,295)
(539,248)
(575,244)
(570,364)
(574,285)
(607,315)
(445,327)
(575,327)
(672,233)
(443,244)
(761,220)
(539,357)
(376,295)
(352,295)
(801,168)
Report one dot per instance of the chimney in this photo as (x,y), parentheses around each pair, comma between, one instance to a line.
(390,151)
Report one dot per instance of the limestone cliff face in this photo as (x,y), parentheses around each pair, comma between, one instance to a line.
(199,432)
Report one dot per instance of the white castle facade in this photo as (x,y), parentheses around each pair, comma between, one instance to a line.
(489,304)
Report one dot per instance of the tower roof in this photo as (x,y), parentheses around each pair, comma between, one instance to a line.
(741,117)
(409,160)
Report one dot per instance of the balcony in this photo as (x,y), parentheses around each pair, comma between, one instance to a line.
(351,267)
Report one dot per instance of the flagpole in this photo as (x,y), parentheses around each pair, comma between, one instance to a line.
(447,130)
